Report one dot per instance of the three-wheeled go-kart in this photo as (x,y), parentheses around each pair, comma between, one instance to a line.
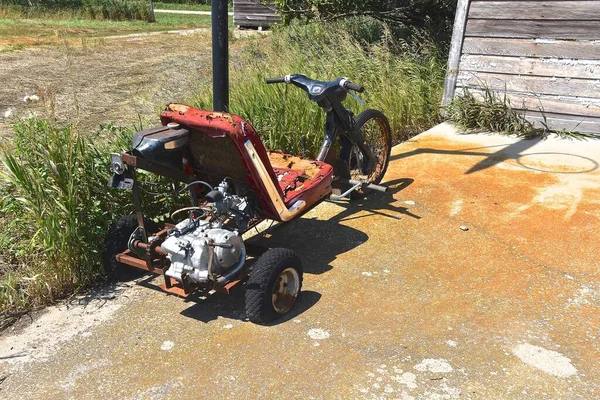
(234,184)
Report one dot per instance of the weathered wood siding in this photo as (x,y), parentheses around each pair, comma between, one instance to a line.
(248,13)
(545,55)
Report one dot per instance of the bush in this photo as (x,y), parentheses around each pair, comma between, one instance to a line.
(188,1)
(117,10)
(404,82)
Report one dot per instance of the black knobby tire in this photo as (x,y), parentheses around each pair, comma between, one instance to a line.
(115,242)
(260,298)
(378,137)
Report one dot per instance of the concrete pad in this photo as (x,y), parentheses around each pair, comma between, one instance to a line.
(476,276)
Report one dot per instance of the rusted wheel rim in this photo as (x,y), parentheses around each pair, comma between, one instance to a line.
(377,143)
(285,290)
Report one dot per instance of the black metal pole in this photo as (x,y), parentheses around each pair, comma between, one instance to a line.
(220,55)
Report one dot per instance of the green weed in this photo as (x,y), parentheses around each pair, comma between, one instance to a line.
(492,111)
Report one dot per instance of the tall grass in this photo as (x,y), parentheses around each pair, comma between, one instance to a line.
(56,209)
(403,81)
(116,10)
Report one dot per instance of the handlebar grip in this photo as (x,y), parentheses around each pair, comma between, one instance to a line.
(275,80)
(355,87)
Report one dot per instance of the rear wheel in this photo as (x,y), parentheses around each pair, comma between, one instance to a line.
(274,285)
(115,243)
(378,138)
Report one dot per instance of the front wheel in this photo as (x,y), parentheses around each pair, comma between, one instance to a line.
(274,285)
(376,130)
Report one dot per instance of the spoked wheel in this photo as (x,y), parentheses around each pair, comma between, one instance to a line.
(378,138)
(274,285)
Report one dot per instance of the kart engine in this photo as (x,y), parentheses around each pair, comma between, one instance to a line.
(202,249)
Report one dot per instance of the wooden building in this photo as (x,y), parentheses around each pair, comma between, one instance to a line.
(254,14)
(545,55)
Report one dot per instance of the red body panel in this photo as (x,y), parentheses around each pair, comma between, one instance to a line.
(292,184)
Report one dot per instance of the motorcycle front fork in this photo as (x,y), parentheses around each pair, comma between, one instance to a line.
(353,137)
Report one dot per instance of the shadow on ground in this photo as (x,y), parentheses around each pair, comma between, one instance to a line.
(515,151)
(378,204)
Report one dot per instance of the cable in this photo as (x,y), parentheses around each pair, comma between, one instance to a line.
(194,183)
(185,209)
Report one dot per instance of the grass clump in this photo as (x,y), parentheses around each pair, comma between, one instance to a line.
(118,10)
(56,209)
(404,82)
(491,111)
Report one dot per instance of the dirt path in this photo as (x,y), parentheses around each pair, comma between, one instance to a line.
(103,80)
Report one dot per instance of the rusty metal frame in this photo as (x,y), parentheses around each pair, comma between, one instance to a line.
(148,262)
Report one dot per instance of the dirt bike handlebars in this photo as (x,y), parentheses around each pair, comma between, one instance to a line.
(316,87)
(275,80)
(345,83)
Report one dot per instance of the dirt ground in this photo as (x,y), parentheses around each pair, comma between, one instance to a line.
(97,81)
(476,276)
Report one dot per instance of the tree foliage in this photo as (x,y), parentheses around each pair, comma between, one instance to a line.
(408,12)
(412,21)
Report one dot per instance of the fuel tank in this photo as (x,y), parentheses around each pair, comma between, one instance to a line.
(162,144)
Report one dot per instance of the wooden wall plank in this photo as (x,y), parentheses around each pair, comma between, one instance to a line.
(567,105)
(545,55)
(530,84)
(569,30)
(569,123)
(587,69)
(540,10)
(458,34)
(254,13)
(531,48)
